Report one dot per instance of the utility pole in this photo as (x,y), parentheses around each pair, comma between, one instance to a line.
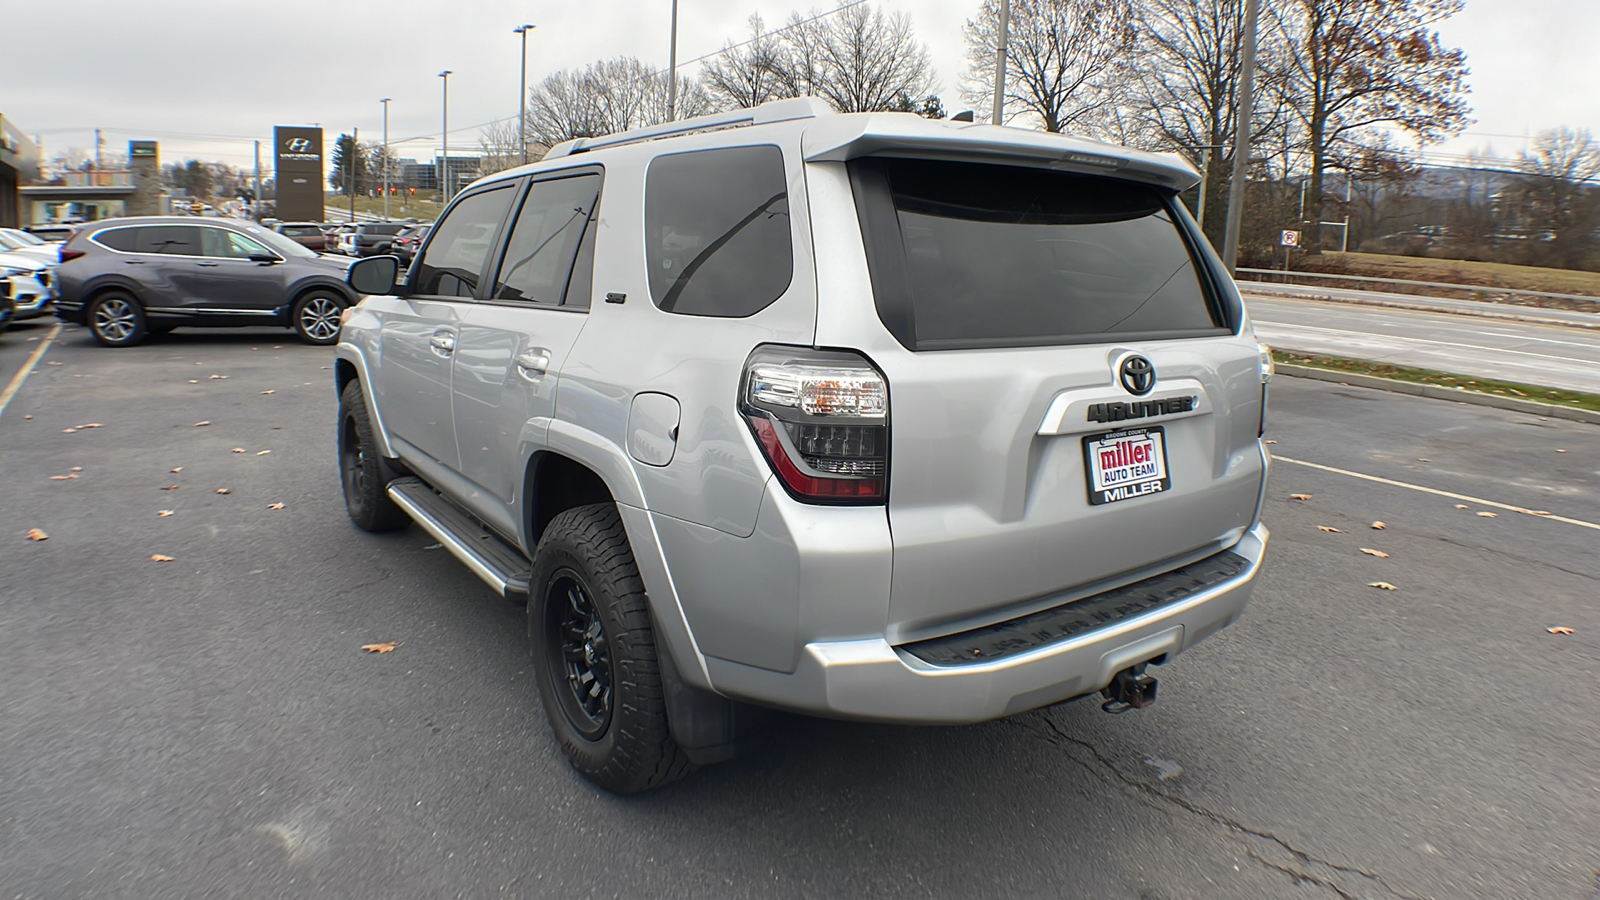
(258,181)
(350,162)
(1241,137)
(444,162)
(522,107)
(1000,51)
(385,102)
(672,68)
(97,143)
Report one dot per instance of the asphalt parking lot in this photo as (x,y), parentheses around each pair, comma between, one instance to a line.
(208,726)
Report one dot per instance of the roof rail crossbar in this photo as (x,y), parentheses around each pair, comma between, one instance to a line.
(771,111)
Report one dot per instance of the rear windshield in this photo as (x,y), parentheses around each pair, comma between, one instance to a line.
(295,231)
(976,255)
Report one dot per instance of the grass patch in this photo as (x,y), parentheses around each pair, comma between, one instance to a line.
(399,208)
(1571,399)
(1478,280)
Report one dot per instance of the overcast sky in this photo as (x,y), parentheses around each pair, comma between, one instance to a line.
(204,78)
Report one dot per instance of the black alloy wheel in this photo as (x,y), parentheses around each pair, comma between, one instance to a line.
(577,652)
(363,473)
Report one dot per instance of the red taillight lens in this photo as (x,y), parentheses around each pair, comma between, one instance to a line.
(69,255)
(821,418)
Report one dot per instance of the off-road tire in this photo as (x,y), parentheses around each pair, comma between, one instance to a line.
(633,749)
(315,316)
(363,472)
(116,319)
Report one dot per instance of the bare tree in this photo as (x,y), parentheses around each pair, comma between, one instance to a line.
(1066,61)
(857,59)
(1560,190)
(500,148)
(1350,65)
(748,74)
(606,97)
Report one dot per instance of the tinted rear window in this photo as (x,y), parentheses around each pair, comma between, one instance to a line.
(295,231)
(975,255)
(180,240)
(717,231)
(118,238)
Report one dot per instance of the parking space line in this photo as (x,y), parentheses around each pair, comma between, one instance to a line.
(1428,490)
(27,367)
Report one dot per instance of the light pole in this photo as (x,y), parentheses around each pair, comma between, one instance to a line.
(385,102)
(444,137)
(672,68)
(1241,137)
(1000,62)
(522,116)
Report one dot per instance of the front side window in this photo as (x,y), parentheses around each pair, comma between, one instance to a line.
(453,261)
(219,242)
(967,255)
(717,231)
(179,240)
(549,227)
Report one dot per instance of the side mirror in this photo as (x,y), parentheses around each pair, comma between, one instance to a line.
(374,275)
(265,258)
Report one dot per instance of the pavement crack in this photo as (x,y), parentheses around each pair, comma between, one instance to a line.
(1298,875)
(1522,559)
(1145,787)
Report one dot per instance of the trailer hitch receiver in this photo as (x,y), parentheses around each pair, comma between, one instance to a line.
(1129,689)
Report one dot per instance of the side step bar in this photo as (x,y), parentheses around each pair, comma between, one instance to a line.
(500,565)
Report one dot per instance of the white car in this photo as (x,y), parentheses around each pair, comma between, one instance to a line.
(32,283)
(15,240)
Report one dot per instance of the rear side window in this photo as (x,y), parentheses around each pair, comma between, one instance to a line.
(453,261)
(118,238)
(545,238)
(967,255)
(717,231)
(181,240)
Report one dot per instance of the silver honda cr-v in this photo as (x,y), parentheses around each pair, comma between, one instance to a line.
(864,416)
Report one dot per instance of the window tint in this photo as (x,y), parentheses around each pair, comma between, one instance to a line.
(183,240)
(118,238)
(295,231)
(717,231)
(227,244)
(975,255)
(549,227)
(453,260)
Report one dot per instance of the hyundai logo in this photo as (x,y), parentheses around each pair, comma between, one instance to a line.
(298,145)
(1138,375)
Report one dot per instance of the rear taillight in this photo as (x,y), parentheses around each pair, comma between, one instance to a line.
(822,420)
(69,255)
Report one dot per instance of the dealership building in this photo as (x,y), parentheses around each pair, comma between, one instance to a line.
(19,163)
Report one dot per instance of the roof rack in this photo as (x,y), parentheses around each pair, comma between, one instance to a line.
(771,111)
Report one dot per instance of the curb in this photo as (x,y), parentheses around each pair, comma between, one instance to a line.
(1436,392)
(1420,307)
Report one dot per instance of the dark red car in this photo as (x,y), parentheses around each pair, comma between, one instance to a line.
(307,234)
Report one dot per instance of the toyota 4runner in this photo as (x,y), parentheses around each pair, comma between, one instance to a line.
(863,416)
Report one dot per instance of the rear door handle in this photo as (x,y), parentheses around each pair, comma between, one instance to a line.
(533,364)
(134,262)
(208,265)
(443,343)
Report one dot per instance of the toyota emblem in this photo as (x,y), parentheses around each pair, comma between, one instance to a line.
(1138,375)
(298,145)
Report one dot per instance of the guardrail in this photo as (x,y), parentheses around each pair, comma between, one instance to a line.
(1473,288)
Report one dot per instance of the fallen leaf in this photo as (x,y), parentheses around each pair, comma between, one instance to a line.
(1488,515)
(276,347)
(69,431)
(1299,496)
(1382,586)
(177,470)
(62,477)
(194,381)
(92,425)
(35,534)
(238,449)
(219,377)
(202,424)
(160,557)
(170,487)
(329,367)
(1269,442)
(1461,506)
(274,506)
(1378,526)
(77,468)
(52,363)
(1540,512)
(1559,630)
(263,452)
(269,392)
(199,363)
(163,513)
(1371,552)
(1561,451)
(1329,528)
(384,647)
(29,417)
(1420,459)
(224,491)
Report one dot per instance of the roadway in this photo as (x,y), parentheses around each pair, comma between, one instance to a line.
(1530,352)
(208,726)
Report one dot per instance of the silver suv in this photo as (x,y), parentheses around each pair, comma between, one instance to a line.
(861,416)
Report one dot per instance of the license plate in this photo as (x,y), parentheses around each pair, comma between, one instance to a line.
(1122,465)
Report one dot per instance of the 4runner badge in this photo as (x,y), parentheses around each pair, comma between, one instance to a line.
(1141,409)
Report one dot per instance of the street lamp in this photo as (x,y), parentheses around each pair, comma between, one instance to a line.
(444,137)
(523,107)
(385,102)
(1000,52)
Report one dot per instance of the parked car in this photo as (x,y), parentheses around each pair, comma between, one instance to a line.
(372,238)
(13,240)
(864,416)
(7,307)
(307,234)
(30,281)
(342,239)
(406,242)
(53,232)
(126,278)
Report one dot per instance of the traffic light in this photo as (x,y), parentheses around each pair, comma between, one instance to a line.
(413,192)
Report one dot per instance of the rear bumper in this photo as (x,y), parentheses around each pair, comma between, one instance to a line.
(877,681)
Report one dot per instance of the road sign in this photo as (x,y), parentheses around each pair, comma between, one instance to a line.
(1290,239)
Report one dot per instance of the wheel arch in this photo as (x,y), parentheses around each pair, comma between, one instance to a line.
(350,364)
